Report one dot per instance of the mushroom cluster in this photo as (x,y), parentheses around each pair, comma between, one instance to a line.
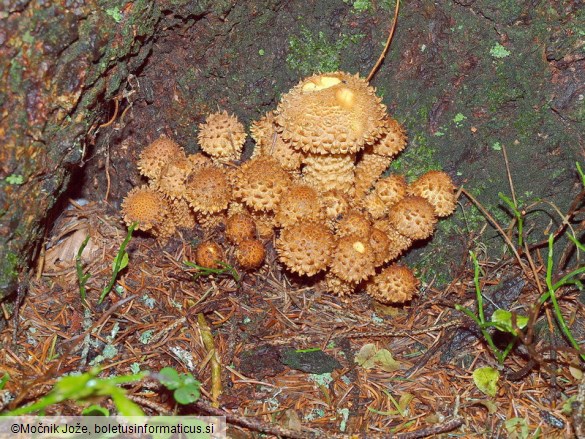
(315,182)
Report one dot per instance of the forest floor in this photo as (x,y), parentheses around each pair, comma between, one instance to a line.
(290,354)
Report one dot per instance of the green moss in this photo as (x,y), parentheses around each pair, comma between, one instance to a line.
(312,53)
(418,158)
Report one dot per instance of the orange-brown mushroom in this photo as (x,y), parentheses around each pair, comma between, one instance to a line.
(394,284)
(250,254)
(305,247)
(239,227)
(222,137)
(207,189)
(209,254)
(413,217)
(157,155)
(438,189)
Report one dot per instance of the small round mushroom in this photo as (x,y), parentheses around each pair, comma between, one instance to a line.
(207,189)
(171,180)
(353,259)
(392,139)
(222,136)
(157,155)
(391,189)
(250,254)
(338,286)
(305,247)
(438,189)
(261,182)
(394,284)
(239,227)
(209,254)
(299,202)
(413,217)
(353,223)
(149,208)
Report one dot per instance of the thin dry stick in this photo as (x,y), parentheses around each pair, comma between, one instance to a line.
(251,423)
(496,225)
(209,344)
(509,176)
(430,431)
(387,46)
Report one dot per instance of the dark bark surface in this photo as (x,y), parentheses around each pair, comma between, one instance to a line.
(465,77)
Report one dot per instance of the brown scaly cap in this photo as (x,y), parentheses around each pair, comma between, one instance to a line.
(269,142)
(413,217)
(353,259)
(353,223)
(330,113)
(305,248)
(261,182)
(239,227)
(222,136)
(157,155)
(392,139)
(299,202)
(250,254)
(438,189)
(208,254)
(394,284)
(145,206)
(208,189)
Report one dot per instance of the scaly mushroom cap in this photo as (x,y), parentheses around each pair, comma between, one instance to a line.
(438,189)
(368,169)
(394,284)
(299,202)
(145,206)
(261,182)
(239,227)
(270,142)
(208,189)
(391,189)
(171,181)
(182,214)
(335,203)
(250,254)
(198,159)
(330,113)
(392,139)
(380,243)
(354,259)
(208,254)
(222,136)
(211,221)
(265,224)
(353,223)
(374,205)
(155,157)
(398,243)
(338,286)
(413,217)
(330,172)
(305,248)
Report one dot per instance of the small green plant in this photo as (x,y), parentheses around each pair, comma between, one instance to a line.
(84,387)
(81,276)
(120,262)
(517,214)
(185,388)
(226,269)
(502,320)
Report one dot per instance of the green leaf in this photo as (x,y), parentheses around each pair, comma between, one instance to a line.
(187,394)
(95,410)
(383,360)
(517,428)
(365,357)
(123,262)
(169,378)
(502,319)
(369,357)
(125,406)
(486,380)
(4,380)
